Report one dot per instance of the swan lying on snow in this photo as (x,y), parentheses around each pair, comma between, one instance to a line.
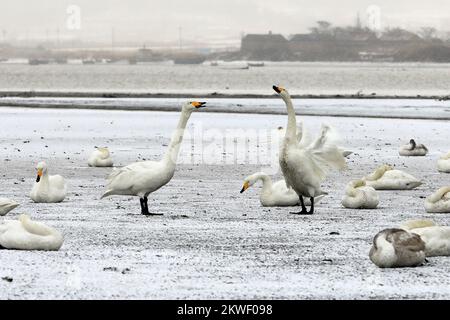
(386,178)
(7,205)
(142,178)
(24,234)
(305,165)
(360,196)
(100,158)
(439,202)
(274,194)
(48,189)
(397,248)
(413,149)
(436,238)
(443,163)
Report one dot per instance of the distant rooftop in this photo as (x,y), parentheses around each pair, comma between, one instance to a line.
(264,37)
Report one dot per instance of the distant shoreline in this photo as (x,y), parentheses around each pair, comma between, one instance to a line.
(221,95)
(312,105)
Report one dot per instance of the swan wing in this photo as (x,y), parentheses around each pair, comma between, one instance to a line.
(303,137)
(402,240)
(58,182)
(325,152)
(284,195)
(139,176)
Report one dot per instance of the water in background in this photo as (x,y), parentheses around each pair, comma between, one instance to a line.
(301,78)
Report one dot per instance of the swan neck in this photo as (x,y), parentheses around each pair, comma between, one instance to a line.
(266,181)
(377,174)
(438,195)
(173,150)
(44,179)
(291,129)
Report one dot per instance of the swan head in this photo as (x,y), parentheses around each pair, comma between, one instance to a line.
(250,180)
(385,167)
(281,91)
(412,143)
(41,170)
(103,150)
(193,105)
(358,183)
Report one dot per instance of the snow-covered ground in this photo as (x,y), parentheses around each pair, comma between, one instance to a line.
(212,241)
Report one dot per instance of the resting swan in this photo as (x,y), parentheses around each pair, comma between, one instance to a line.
(397,248)
(100,158)
(48,189)
(24,234)
(360,196)
(436,238)
(413,149)
(439,202)
(443,163)
(386,178)
(274,194)
(7,205)
(305,166)
(142,178)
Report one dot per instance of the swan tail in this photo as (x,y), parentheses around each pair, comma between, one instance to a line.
(414,224)
(325,151)
(107,194)
(346,153)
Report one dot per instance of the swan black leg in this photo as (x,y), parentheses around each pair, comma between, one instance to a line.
(302,203)
(144,207)
(311,210)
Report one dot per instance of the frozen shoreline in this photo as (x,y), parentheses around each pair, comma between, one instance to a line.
(212,242)
(367,108)
(225,94)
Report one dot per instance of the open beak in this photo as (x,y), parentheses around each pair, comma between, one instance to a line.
(39,175)
(198,104)
(244,187)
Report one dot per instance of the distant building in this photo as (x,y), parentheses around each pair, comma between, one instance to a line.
(354,43)
(342,44)
(265,47)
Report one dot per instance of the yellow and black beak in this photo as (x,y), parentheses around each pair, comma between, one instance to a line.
(198,104)
(39,175)
(277,89)
(245,186)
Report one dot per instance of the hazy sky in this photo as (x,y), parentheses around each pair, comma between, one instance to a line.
(159,20)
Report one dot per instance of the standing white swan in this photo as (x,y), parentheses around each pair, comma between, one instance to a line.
(274,194)
(142,178)
(413,149)
(100,158)
(24,234)
(394,248)
(7,205)
(360,196)
(436,238)
(48,189)
(439,202)
(443,164)
(305,166)
(386,178)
